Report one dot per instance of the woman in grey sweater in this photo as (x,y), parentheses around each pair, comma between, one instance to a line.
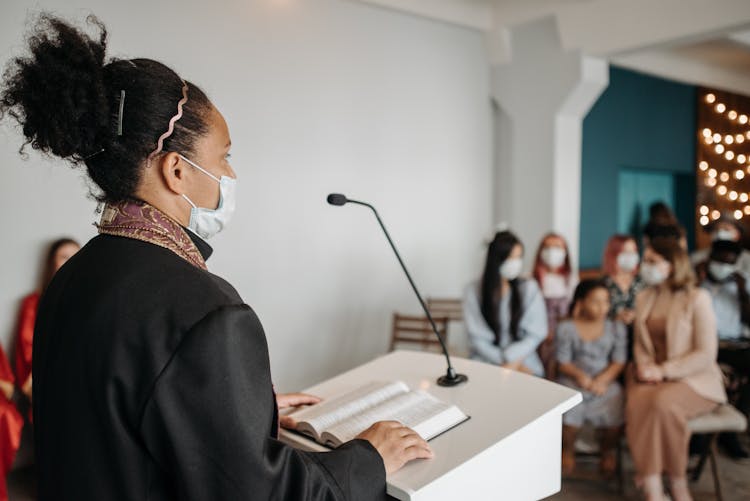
(505,315)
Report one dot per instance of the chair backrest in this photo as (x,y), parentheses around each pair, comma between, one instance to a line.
(416,329)
(446,307)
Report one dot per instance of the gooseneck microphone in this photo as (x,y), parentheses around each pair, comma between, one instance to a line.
(451,378)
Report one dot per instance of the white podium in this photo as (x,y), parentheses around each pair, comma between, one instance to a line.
(510,448)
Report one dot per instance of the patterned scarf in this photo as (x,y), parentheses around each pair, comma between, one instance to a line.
(140,221)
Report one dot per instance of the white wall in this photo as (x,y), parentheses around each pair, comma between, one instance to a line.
(320,96)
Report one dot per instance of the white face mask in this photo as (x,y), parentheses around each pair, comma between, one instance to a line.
(652,274)
(628,261)
(208,222)
(553,257)
(725,235)
(721,271)
(511,268)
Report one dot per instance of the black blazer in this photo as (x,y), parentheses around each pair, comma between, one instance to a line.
(152,382)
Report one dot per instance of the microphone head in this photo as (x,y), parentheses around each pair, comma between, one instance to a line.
(337,199)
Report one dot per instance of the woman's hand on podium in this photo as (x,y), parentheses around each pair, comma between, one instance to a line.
(286,400)
(396,444)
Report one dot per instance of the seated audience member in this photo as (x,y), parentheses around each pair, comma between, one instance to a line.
(676,376)
(554,274)
(504,314)
(620,267)
(591,353)
(11,424)
(725,228)
(59,252)
(663,223)
(730,293)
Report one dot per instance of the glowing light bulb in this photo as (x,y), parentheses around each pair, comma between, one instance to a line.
(720,108)
(739,174)
(721,190)
(715,215)
(724,177)
(710,98)
(738,214)
(719,149)
(703,165)
(704,220)
(712,173)
(704,210)
(744,197)
(706,132)
(743,119)
(728,139)
(708,140)
(711,182)
(747,210)
(733,195)
(739,139)
(732,115)
(717,138)
(729,155)
(741,160)
(747,135)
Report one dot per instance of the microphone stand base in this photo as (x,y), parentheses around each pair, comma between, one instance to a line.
(452,379)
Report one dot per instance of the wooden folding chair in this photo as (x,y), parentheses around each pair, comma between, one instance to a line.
(416,329)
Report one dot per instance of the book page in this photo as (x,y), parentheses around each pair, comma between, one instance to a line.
(410,409)
(328,413)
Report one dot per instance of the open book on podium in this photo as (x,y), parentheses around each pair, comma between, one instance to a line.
(509,449)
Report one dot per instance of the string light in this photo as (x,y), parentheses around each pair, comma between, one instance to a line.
(728,139)
(719,149)
(744,197)
(710,98)
(711,182)
(715,214)
(747,210)
(732,115)
(733,195)
(703,165)
(712,173)
(704,220)
(708,140)
(721,190)
(724,177)
(738,214)
(720,107)
(706,132)
(729,155)
(717,138)
(741,160)
(704,210)
(739,174)
(739,139)
(743,119)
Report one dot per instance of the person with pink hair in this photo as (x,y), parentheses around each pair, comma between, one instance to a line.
(557,280)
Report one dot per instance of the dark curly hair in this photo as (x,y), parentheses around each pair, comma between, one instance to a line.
(66,98)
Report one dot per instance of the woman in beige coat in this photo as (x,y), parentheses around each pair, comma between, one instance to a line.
(675,376)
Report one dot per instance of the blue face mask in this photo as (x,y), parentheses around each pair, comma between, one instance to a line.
(208,222)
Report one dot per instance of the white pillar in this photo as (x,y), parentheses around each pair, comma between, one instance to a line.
(542,95)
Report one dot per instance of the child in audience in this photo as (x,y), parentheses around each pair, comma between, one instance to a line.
(555,276)
(591,354)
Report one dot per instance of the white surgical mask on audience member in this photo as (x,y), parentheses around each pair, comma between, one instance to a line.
(208,222)
(721,271)
(725,235)
(553,257)
(628,261)
(652,274)
(511,268)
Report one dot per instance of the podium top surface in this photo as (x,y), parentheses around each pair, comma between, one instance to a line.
(499,401)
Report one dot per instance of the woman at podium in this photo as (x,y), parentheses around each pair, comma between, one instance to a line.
(151,375)
(505,314)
